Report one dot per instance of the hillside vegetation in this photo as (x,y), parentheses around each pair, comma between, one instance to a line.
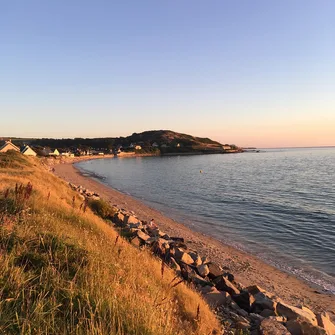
(166,141)
(63,270)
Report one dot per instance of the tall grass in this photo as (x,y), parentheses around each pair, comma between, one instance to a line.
(65,271)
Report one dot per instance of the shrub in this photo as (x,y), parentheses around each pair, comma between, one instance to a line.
(101,208)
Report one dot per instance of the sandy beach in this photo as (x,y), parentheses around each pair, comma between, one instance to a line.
(247,269)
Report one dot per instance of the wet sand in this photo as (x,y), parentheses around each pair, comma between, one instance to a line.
(247,269)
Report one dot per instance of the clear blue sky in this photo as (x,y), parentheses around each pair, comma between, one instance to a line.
(247,72)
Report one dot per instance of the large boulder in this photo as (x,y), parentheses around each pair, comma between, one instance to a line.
(272,327)
(325,322)
(302,326)
(173,264)
(130,219)
(223,284)
(245,300)
(196,258)
(262,299)
(293,313)
(143,236)
(203,270)
(187,272)
(196,279)
(215,298)
(214,270)
(119,218)
(160,247)
(182,256)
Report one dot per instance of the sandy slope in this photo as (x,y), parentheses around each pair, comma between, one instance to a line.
(247,269)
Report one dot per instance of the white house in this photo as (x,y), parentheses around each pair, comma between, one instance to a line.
(54,153)
(9,146)
(28,151)
(226,147)
(138,147)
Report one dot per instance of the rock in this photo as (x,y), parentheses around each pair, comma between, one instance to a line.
(267,312)
(119,218)
(223,284)
(143,236)
(215,298)
(245,300)
(187,272)
(160,247)
(242,324)
(272,327)
(203,270)
(173,264)
(263,299)
(196,258)
(214,270)
(229,276)
(238,309)
(166,237)
(293,313)
(130,219)
(204,260)
(177,239)
(137,225)
(183,256)
(324,321)
(196,279)
(301,326)
(256,318)
(152,239)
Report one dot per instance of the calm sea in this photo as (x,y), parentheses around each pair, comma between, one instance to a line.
(276,204)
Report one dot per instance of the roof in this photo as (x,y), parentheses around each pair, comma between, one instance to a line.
(12,146)
(27,148)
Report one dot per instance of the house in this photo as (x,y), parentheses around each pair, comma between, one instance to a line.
(226,147)
(137,147)
(28,151)
(54,152)
(9,146)
(155,145)
(66,153)
(164,146)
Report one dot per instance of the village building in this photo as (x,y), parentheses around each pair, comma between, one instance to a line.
(155,145)
(28,151)
(8,145)
(138,147)
(54,152)
(226,147)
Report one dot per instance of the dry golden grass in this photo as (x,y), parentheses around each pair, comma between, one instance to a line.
(63,271)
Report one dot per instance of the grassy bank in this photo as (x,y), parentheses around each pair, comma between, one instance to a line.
(63,270)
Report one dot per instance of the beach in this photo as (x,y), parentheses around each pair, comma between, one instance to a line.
(247,269)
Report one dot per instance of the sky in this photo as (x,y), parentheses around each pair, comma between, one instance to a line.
(253,73)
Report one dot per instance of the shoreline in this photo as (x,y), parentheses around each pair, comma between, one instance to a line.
(248,269)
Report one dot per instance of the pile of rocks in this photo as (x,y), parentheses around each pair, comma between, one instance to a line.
(240,307)
(85,192)
(246,308)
